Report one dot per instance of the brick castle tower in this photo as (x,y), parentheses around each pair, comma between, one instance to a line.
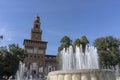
(35,50)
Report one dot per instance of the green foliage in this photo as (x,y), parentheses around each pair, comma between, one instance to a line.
(65,42)
(108,50)
(84,42)
(58,57)
(9,59)
(77,42)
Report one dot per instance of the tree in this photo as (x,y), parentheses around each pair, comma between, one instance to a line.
(9,59)
(77,42)
(84,42)
(65,43)
(108,50)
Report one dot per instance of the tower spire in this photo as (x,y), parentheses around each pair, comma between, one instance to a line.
(36,32)
(37,22)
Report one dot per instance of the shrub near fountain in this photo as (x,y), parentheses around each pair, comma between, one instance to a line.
(80,66)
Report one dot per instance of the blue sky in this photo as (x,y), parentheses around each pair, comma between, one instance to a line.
(74,18)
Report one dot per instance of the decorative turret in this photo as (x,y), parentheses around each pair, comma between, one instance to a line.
(36,32)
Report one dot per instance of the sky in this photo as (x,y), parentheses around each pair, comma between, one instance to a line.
(73,18)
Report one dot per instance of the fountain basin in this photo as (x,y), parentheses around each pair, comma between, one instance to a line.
(84,74)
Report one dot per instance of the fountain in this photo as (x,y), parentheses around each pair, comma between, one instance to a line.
(24,74)
(79,65)
(79,60)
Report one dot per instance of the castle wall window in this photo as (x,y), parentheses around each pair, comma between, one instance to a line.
(34,65)
(49,68)
(29,50)
(40,51)
(41,69)
(35,50)
(36,26)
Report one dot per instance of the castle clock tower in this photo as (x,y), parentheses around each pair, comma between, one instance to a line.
(35,50)
(36,32)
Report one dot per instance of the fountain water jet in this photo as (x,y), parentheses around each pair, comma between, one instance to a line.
(71,59)
(24,74)
(77,65)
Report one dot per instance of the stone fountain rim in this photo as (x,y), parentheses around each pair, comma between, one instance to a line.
(83,71)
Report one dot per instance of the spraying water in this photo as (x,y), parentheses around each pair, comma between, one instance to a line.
(77,59)
(24,74)
(78,64)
